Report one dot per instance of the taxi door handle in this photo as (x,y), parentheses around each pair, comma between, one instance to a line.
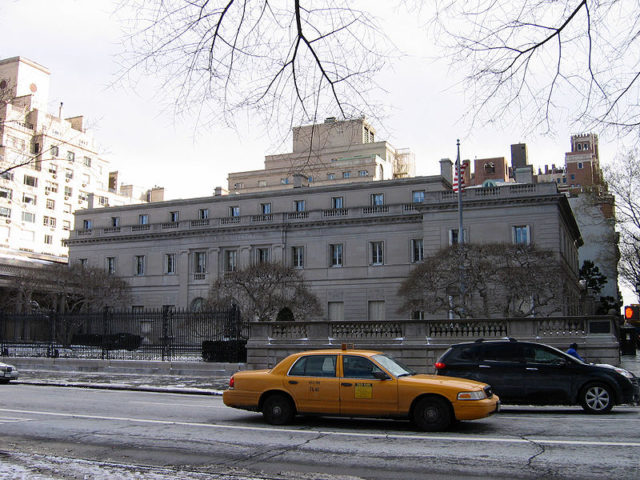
(346,384)
(484,366)
(532,369)
(293,382)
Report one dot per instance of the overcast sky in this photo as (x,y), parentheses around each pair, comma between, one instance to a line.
(78,41)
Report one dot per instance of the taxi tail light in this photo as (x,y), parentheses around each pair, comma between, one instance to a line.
(232,382)
(440,365)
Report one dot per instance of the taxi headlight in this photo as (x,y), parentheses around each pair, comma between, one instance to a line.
(475,395)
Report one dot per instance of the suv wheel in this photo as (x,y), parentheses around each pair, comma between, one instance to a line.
(596,398)
(432,414)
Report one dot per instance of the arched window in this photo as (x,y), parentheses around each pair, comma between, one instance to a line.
(197,304)
(285,315)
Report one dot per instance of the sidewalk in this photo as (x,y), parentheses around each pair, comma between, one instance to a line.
(197,378)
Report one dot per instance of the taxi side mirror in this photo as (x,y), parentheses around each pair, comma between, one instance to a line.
(380,375)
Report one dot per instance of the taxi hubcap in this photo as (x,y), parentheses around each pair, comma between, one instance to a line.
(431,414)
(276,410)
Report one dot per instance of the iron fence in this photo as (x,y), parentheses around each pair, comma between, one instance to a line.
(163,334)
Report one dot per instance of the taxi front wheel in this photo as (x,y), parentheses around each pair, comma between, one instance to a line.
(278,410)
(432,414)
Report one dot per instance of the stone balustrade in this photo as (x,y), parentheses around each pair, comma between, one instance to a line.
(419,343)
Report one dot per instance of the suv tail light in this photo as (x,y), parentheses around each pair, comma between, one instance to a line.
(439,365)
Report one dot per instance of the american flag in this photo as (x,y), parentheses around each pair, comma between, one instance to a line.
(463,167)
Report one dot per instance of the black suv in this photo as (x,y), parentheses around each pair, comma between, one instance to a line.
(532,373)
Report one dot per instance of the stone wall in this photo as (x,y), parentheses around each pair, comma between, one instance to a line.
(419,343)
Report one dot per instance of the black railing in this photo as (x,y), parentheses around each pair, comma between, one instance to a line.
(164,334)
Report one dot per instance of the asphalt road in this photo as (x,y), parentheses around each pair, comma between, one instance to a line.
(199,434)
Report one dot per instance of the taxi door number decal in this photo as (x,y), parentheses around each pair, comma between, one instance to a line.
(364,390)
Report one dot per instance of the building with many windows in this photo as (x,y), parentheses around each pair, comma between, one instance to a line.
(49,167)
(333,152)
(354,243)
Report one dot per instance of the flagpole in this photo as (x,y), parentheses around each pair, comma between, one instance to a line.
(460,224)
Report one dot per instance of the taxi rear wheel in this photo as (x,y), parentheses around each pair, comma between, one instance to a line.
(278,410)
(432,414)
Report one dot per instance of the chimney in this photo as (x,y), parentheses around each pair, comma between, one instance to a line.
(446,170)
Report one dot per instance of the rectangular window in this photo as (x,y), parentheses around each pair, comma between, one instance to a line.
(51,204)
(51,187)
(170,263)
(68,174)
(580,165)
(284,181)
(143,219)
(66,208)
(28,199)
(298,205)
(86,161)
(520,235)
(335,311)
(68,192)
(53,169)
(55,151)
(71,156)
(265,208)
(66,225)
(87,224)
(28,217)
(5,212)
(49,221)
(203,213)
(298,257)
(230,260)
(30,181)
(48,239)
(234,211)
(82,262)
(331,176)
(417,250)
(377,253)
(335,252)
(262,255)
(6,193)
(139,265)
(111,265)
(363,173)
(417,196)
(453,236)
(377,199)
(115,221)
(346,174)
(200,262)
(174,217)
(262,183)
(86,179)
(337,202)
(376,310)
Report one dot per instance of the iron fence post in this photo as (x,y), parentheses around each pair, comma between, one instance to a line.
(165,335)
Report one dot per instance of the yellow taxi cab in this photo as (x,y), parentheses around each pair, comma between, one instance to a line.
(349,382)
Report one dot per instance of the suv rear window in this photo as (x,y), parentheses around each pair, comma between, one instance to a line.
(463,354)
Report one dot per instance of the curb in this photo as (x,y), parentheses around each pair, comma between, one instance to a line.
(98,386)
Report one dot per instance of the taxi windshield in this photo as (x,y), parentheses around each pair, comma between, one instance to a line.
(394,367)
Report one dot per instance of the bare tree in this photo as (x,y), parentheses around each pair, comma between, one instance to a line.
(623,177)
(288,62)
(546,61)
(263,290)
(472,281)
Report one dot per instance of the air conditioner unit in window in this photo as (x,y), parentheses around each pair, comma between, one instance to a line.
(8,220)
(66,198)
(67,179)
(55,176)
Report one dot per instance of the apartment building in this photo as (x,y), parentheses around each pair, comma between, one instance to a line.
(333,152)
(49,168)
(354,243)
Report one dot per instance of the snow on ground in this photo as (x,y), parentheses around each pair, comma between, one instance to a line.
(18,466)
